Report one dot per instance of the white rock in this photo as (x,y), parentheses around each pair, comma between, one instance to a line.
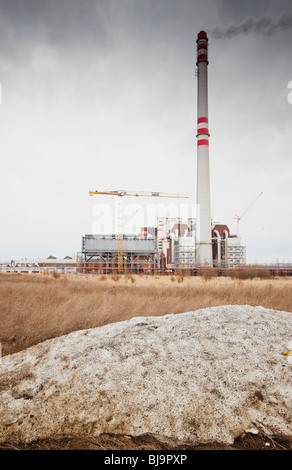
(196,377)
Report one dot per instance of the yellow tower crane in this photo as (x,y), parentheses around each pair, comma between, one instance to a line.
(121,194)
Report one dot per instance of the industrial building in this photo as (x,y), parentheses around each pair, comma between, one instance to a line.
(227,251)
(168,247)
(51,264)
(173,244)
(184,252)
(100,254)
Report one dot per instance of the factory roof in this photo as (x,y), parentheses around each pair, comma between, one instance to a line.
(221,229)
(180,229)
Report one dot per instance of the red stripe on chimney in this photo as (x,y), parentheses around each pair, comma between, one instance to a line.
(202,46)
(202,119)
(202,57)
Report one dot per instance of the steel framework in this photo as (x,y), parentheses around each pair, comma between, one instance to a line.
(100,254)
(120,194)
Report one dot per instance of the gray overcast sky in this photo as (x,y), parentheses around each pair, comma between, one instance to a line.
(101,94)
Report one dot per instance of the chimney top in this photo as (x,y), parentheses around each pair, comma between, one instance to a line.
(202,35)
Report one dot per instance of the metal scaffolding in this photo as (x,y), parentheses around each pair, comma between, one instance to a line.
(100,254)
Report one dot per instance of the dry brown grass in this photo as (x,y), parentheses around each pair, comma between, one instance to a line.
(34,308)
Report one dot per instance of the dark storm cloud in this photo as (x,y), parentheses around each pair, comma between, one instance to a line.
(265,25)
(68,25)
(96,23)
(110,85)
(91,45)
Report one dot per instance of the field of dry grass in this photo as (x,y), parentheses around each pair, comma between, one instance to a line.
(34,308)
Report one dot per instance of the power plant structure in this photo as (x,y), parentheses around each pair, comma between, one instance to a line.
(204,249)
(173,244)
(121,194)
(168,247)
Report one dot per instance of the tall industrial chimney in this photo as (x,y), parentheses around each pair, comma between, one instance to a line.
(203,232)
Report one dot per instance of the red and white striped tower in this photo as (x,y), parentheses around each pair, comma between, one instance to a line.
(203,231)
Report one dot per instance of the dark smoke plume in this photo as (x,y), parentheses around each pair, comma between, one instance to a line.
(265,26)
